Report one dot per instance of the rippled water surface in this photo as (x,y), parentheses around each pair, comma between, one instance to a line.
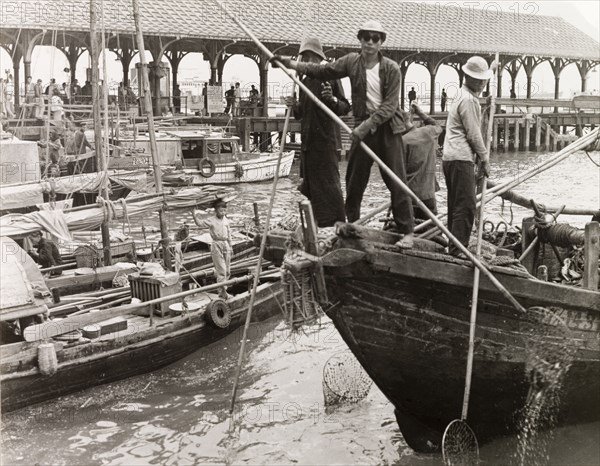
(179,415)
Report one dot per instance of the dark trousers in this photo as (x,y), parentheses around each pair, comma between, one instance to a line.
(431,204)
(460,180)
(388,147)
(321,183)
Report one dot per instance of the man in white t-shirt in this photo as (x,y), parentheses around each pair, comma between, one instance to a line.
(375,82)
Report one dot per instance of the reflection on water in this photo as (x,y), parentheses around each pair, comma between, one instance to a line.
(179,415)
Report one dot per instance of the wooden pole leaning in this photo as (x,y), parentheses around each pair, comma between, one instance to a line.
(475,296)
(101,161)
(379,162)
(147,102)
(256,274)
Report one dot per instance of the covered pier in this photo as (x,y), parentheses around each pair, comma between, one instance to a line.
(426,34)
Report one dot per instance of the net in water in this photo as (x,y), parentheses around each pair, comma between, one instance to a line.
(344,379)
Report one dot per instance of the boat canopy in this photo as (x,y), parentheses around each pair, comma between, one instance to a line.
(23,291)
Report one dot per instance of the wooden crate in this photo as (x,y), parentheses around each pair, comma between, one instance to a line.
(148,288)
(91,255)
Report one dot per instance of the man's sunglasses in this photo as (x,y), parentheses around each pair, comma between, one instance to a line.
(367,36)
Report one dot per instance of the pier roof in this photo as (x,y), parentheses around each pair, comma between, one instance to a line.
(425,27)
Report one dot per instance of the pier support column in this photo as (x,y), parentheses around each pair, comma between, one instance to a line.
(527,138)
(403,69)
(557,65)
(125,55)
(584,68)
(27,67)
(16,78)
(432,92)
(500,71)
(263,66)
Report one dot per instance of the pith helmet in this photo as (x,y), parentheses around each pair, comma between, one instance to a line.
(373,26)
(477,68)
(312,44)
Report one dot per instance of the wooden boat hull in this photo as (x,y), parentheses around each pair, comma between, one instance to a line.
(135,352)
(261,168)
(406,318)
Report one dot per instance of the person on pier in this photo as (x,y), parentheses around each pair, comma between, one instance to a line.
(443,100)
(320,139)
(221,251)
(375,82)
(464,144)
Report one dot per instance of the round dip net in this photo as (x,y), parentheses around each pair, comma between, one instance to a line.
(344,379)
(459,445)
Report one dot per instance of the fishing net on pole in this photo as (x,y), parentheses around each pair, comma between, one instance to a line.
(550,349)
(344,379)
(460,446)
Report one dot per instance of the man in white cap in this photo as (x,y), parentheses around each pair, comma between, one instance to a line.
(463,145)
(375,82)
(320,140)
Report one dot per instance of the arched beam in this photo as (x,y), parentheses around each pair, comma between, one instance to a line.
(214,54)
(529,65)
(404,62)
(433,65)
(584,67)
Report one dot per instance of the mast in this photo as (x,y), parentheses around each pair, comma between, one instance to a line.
(145,91)
(101,161)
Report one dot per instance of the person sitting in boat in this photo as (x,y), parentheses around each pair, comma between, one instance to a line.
(221,250)
(45,252)
(420,147)
(463,145)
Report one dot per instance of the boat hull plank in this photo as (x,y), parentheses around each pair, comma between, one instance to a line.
(406,318)
(139,350)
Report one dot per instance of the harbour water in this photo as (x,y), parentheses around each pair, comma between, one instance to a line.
(179,415)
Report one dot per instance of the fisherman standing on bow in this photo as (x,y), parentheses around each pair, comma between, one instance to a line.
(375,82)
(320,139)
(464,144)
(220,249)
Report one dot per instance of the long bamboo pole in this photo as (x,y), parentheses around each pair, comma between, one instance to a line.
(100,160)
(475,296)
(261,253)
(147,100)
(476,262)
